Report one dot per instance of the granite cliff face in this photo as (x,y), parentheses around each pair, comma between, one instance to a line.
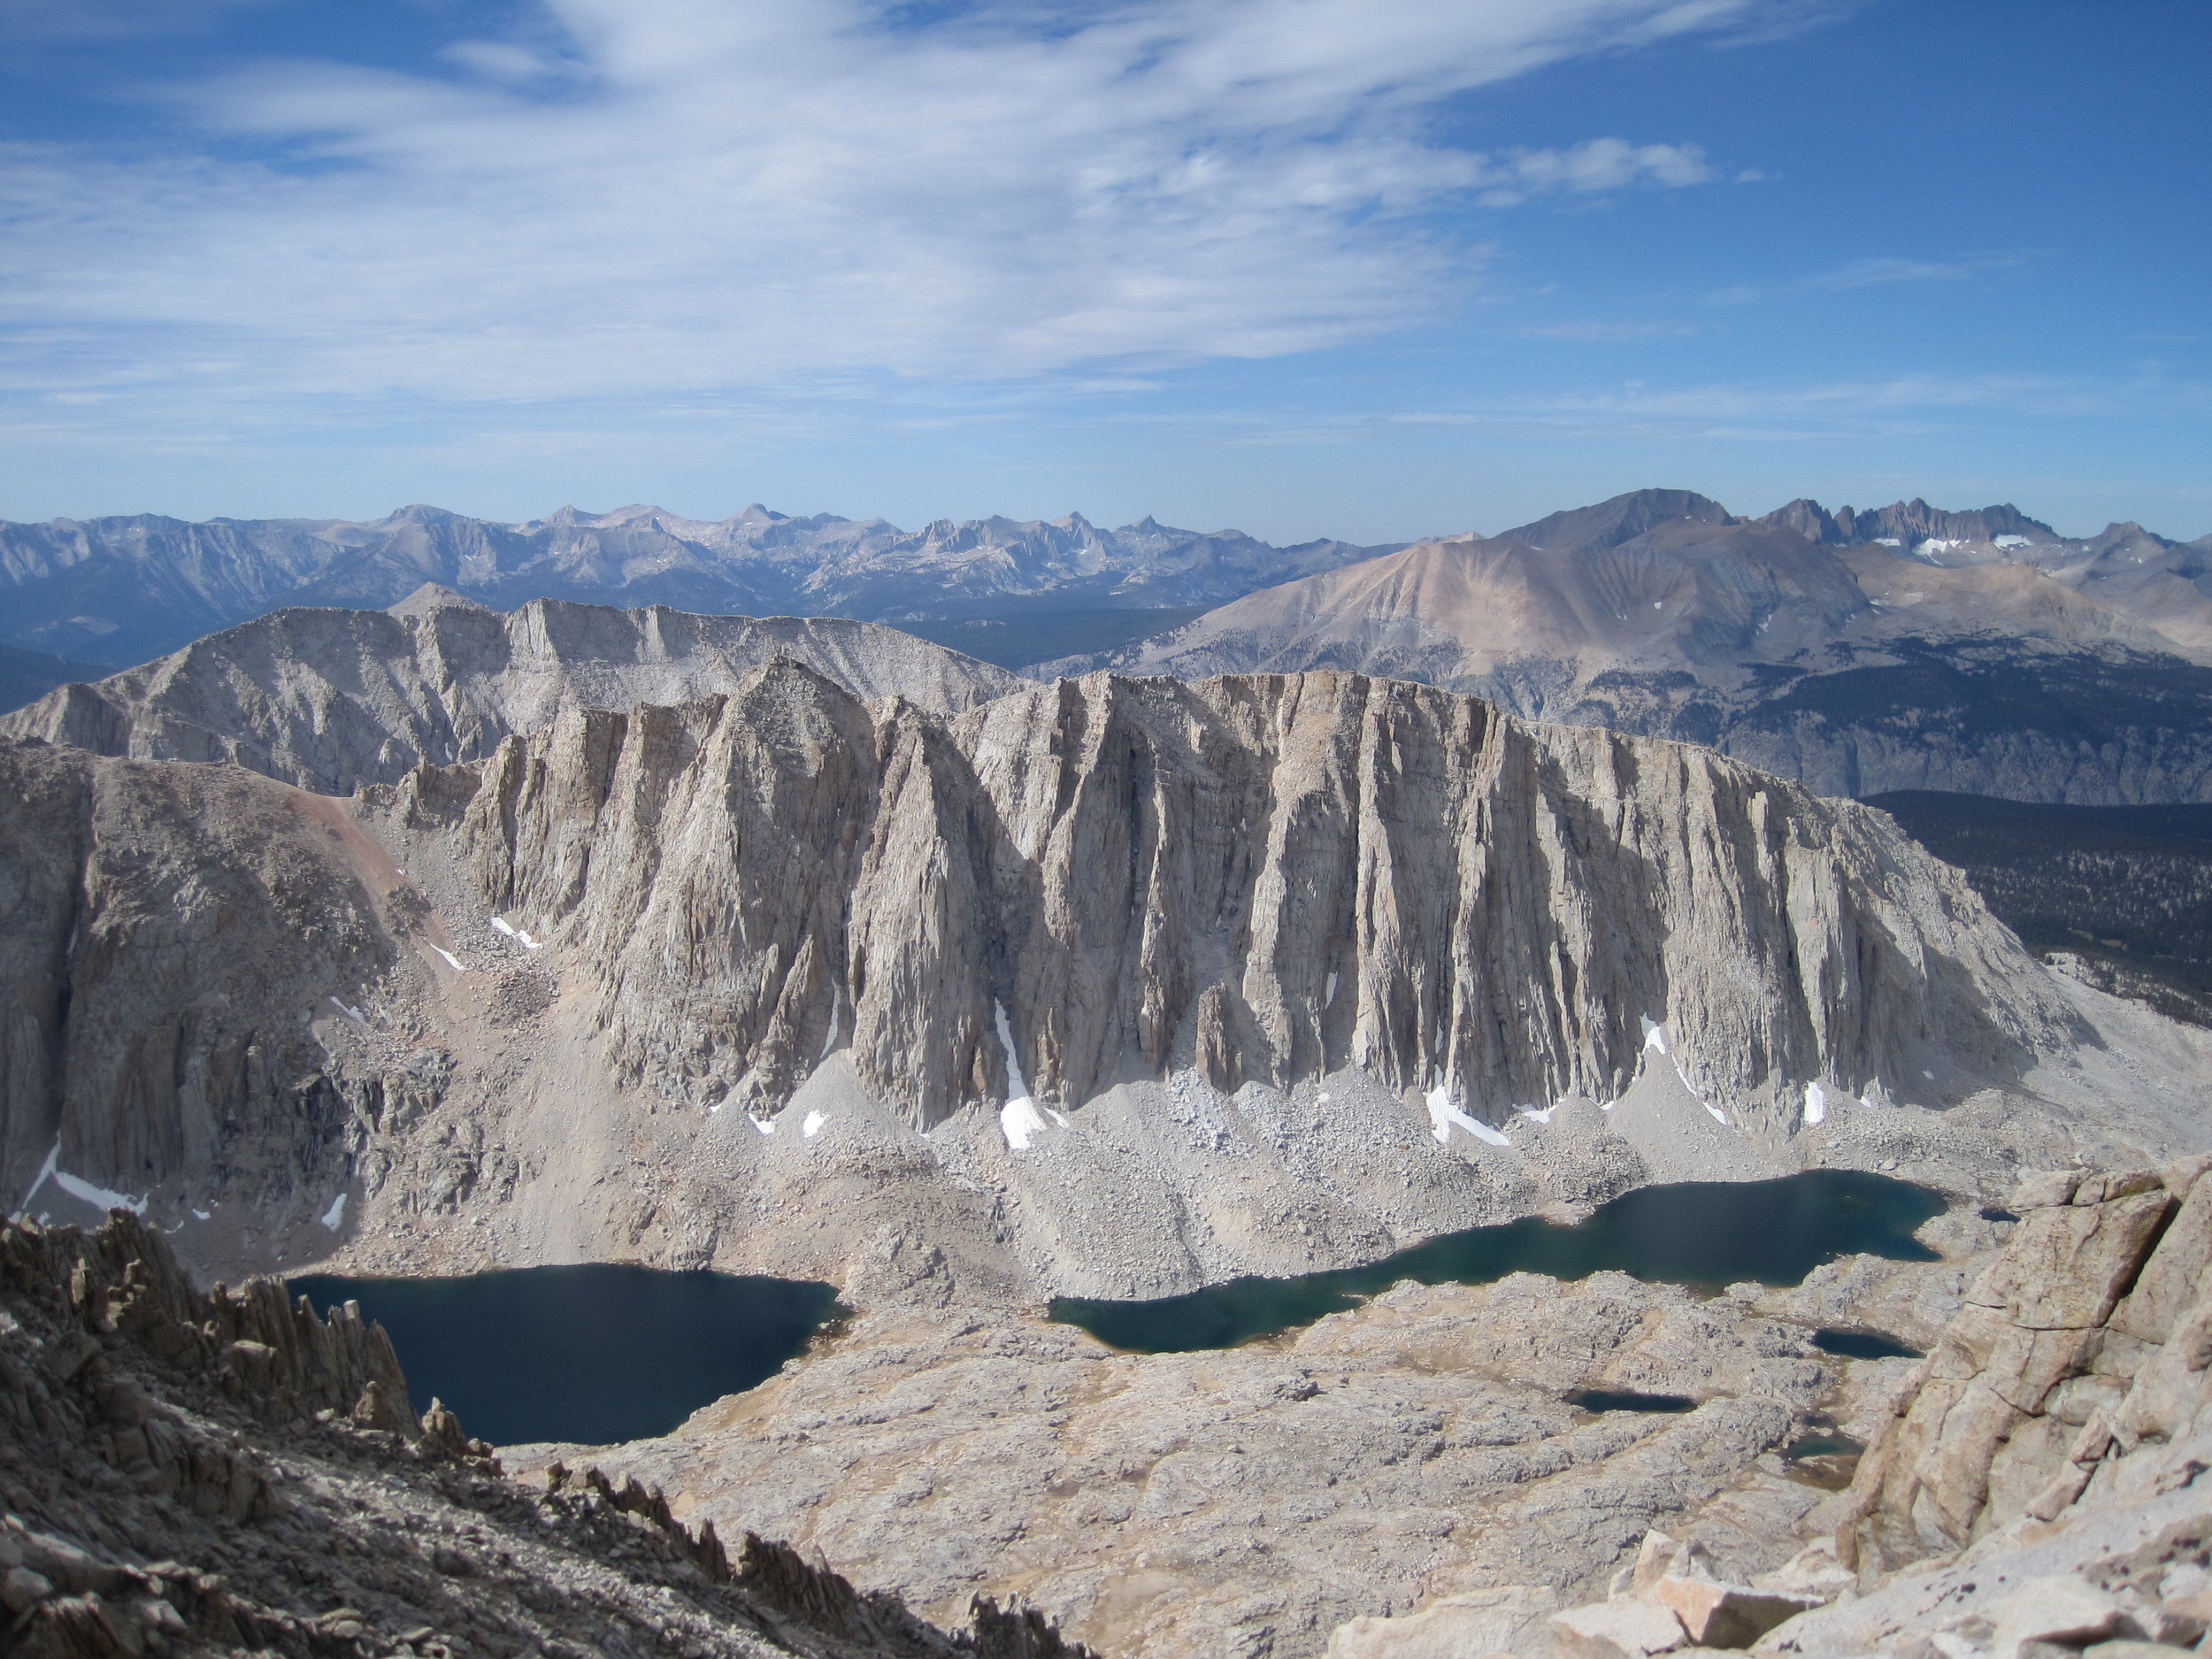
(1280,966)
(330,700)
(1262,879)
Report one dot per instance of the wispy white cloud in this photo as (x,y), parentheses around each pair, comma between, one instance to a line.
(686,195)
(1599,164)
(1605,333)
(1871,272)
(1815,409)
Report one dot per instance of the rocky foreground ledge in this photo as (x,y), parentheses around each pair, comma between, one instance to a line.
(2038,1489)
(187,1473)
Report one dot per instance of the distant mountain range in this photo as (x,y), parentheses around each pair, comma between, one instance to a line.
(127,590)
(1905,647)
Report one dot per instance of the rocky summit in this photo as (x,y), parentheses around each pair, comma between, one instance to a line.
(1903,648)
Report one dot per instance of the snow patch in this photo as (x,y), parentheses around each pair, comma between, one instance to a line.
(830,1041)
(1019,1120)
(353,1014)
(1887,540)
(1328,996)
(200,1214)
(99,1197)
(1443,1115)
(501,925)
(1543,1116)
(2009,541)
(761,1124)
(45,1174)
(334,1218)
(1815,1103)
(1719,1115)
(451,961)
(1654,1035)
(812,1126)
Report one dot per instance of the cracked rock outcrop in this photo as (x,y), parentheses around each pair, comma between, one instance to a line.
(226,1473)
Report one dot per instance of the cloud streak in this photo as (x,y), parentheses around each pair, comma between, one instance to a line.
(679,196)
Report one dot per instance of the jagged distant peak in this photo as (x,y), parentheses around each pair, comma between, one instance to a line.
(414,512)
(1621,519)
(433,596)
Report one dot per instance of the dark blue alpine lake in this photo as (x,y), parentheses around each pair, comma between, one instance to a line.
(1706,1234)
(596,1353)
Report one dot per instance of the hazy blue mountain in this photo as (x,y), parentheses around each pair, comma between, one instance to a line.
(127,590)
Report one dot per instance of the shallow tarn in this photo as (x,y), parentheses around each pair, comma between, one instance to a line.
(596,1353)
(1705,1235)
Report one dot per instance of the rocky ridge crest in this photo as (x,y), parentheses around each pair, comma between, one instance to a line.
(330,699)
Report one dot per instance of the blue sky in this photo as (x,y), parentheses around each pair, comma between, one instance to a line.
(1305,267)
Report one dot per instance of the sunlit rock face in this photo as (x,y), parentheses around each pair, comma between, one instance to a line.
(1278,962)
(1263,879)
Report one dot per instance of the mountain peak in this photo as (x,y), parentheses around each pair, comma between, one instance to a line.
(1623,518)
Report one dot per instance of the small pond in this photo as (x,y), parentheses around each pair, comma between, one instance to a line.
(1707,1234)
(595,1353)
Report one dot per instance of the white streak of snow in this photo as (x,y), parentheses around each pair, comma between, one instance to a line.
(451,961)
(334,1218)
(1328,997)
(1815,1103)
(501,925)
(812,1126)
(99,1197)
(353,1014)
(1019,1120)
(1443,1115)
(200,1214)
(830,1041)
(1015,1085)
(45,1173)
(1719,1117)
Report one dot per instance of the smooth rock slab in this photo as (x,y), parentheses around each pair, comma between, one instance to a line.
(1616,1630)
(1727,1615)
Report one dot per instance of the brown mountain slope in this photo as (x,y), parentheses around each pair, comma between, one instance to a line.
(1856,667)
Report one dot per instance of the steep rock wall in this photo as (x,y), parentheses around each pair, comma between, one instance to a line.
(1264,877)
